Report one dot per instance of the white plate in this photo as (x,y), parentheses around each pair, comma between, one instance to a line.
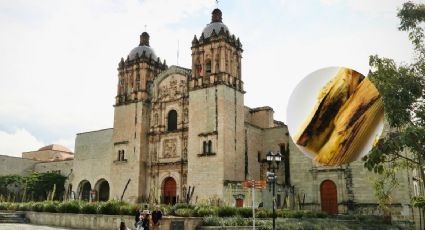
(304,98)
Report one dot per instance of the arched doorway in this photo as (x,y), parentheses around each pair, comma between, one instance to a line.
(239,203)
(328,197)
(169,191)
(102,188)
(85,188)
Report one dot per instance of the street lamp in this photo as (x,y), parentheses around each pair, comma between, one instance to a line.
(273,161)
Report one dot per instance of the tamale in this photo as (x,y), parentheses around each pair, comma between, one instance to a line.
(352,125)
(317,128)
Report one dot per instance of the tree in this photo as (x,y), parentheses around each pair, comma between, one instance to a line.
(35,187)
(402,90)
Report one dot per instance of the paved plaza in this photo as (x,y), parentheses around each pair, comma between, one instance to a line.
(28,227)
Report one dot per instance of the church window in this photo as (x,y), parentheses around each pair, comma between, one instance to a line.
(209,146)
(259,156)
(121,156)
(172,120)
(204,147)
(208,67)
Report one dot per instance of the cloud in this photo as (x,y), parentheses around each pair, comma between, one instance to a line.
(371,7)
(58,62)
(59,58)
(13,144)
(69,143)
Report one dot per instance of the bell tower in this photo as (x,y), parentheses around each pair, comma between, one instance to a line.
(136,71)
(131,121)
(216,110)
(216,56)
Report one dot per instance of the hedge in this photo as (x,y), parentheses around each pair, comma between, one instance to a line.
(114,207)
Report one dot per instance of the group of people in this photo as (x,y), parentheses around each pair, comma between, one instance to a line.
(144,219)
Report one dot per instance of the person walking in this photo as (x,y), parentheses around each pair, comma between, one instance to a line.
(123,226)
(156,218)
(142,222)
(148,219)
(145,221)
(137,217)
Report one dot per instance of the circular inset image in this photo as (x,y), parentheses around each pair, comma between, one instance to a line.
(334,115)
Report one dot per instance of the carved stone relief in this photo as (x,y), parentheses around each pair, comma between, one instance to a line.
(171,90)
(169,148)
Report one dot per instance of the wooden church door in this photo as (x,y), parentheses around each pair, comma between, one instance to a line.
(328,197)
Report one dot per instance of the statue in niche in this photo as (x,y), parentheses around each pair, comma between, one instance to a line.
(186,115)
(169,148)
(156,119)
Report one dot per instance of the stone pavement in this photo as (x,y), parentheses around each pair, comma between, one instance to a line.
(28,227)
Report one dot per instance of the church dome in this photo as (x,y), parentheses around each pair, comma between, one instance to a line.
(139,50)
(143,48)
(216,24)
(55,147)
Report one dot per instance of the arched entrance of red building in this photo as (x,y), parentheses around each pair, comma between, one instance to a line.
(328,197)
(169,191)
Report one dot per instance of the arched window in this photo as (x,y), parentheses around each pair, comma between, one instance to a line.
(121,156)
(208,67)
(172,120)
(204,147)
(209,146)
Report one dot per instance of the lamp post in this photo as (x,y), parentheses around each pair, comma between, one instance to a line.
(273,160)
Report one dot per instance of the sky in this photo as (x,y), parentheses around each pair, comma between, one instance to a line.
(59,59)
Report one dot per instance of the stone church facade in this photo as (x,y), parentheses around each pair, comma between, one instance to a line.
(176,128)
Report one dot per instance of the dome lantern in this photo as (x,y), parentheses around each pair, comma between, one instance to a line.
(216,16)
(144,39)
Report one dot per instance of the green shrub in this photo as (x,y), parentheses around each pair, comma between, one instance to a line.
(25,206)
(109,208)
(314,214)
(134,207)
(244,212)
(37,207)
(201,211)
(69,207)
(283,213)
(89,208)
(184,212)
(235,221)
(263,213)
(297,214)
(50,207)
(12,206)
(183,205)
(321,215)
(211,221)
(126,209)
(226,211)
(177,206)
(166,210)
(4,205)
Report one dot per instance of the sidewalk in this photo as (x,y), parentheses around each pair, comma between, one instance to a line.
(28,227)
